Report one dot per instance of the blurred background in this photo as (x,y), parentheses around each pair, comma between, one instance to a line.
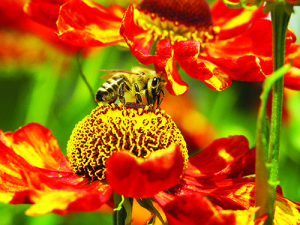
(40,82)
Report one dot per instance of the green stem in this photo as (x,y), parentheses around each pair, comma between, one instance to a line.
(119,216)
(84,78)
(267,174)
(265,189)
(123,210)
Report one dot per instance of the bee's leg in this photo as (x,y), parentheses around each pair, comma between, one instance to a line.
(121,93)
(156,96)
(148,98)
(160,101)
(137,94)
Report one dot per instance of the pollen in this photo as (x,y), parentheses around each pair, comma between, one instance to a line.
(112,128)
(176,20)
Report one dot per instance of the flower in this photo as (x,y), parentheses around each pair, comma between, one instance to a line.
(138,153)
(222,45)
(13,18)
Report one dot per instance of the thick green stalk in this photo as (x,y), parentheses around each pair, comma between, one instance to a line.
(267,175)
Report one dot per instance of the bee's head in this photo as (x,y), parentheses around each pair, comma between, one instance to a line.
(158,81)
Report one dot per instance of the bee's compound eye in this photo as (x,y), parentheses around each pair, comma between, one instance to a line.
(142,73)
(155,81)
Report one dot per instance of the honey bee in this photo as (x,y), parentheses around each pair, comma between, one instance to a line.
(135,85)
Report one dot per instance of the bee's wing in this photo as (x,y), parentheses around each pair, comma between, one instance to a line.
(115,72)
(107,76)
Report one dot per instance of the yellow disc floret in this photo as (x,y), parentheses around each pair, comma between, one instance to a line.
(113,128)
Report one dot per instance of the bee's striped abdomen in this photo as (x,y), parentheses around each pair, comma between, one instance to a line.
(109,91)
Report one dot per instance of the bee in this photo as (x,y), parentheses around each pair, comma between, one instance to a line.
(135,85)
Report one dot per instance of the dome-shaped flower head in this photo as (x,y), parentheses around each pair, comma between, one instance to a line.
(137,153)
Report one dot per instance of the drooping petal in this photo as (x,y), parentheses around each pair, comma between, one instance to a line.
(139,43)
(219,159)
(141,178)
(242,195)
(49,190)
(187,53)
(65,198)
(192,209)
(257,40)
(286,211)
(234,193)
(14,181)
(164,63)
(248,56)
(232,22)
(15,184)
(85,23)
(11,179)
(136,38)
(37,146)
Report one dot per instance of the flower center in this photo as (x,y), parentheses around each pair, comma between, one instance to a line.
(113,128)
(176,20)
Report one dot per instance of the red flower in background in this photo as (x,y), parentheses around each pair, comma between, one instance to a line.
(13,18)
(213,44)
(34,171)
(188,40)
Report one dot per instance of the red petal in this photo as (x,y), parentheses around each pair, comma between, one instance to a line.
(236,195)
(136,38)
(233,21)
(14,18)
(219,159)
(164,63)
(187,55)
(38,146)
(64,198)
(193,209)
(257,40)
(139,43)
(286,211)
(248,56)
(292,77)
(49,190)
(11,179)
(88,24)
(141,178)
(45,12)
